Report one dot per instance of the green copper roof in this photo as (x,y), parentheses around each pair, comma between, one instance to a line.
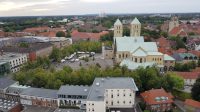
(183,55)
(135,21)
(118,22)
(132,65)
(167,57)
(139,53)
(19,86)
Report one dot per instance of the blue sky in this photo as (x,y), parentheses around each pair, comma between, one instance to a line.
(79,7)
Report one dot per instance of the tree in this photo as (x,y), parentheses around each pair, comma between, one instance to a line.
(146,35)
(164,34)
(80,30)
(24,45)
(57,24)
(59,60)
(184,39)
(60,34)
(80,64)
(198,80)
(107,24)
(191,33)
(199,63)
(68,35)
(195,91)
(98,65)
(45,30)
(158,26)
(126,31)
(167,83)
(142,106)
(68,69)
(21,77)
(52,69)
(6,29)
(178,81)
(174,48)
(54,53)
(57,84)
(86,59)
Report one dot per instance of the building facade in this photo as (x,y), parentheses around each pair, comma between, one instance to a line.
(189,77)
(108,93)
(157,100)
(15,61)
(118,32)
(192,105)
(39,96)
(174,22)
(4,69)
(185,57)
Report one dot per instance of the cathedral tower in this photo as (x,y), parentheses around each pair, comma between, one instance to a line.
(135,28)
(174,22)
(118,29)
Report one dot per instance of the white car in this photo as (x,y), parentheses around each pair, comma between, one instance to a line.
(92,53)
(66,57)
(76,59)
(62,60)
(79,52)
(72,60)
(83,52)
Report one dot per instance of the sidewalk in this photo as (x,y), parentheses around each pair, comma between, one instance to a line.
(180,104)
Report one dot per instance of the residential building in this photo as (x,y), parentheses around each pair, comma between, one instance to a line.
(178,31)
(192,105)
(134,52)
(2,34)
(185,57)
(92,22)
(197,69)
(197,45)
(169,62)
(5,83)
(189,77)
(4,69)
(195,52)
(164,27)
(111,93)
(157,100)
(46,34)
(31,53)
(81,23)
(39,96)
(70,95)
(127,21)
(15,61)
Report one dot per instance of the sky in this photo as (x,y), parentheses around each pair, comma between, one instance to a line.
(81,7)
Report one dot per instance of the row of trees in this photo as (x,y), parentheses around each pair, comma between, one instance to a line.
(62,34)
(145,79)
(80,46)
(186,67)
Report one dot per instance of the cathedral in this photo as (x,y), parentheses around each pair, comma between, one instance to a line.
(134,52)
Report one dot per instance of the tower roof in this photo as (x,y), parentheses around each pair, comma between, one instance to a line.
(118,22)
(135,21)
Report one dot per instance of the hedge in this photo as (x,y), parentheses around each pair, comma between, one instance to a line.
(74,107)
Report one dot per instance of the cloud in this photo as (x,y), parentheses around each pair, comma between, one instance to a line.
(41,9)
(99,0)
(6,6)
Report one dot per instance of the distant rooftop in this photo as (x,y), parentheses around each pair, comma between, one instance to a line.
(4,83)
(8,104)
(10,56)
(101,84)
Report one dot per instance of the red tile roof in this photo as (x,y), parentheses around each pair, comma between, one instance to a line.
(180,50)
(163,42)
(197,69)
(94,35)
(188,75)
(175,30)
(52,35)
(192,103)
(35,29)
(75,31)
(150,96)
(104,32)
(162,50)
(164,25)
(195,52)
(46,34)
(183,33)
(80,35)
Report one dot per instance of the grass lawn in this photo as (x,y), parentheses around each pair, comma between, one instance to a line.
(184,95)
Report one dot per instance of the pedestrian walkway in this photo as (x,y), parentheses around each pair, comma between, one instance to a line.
(180,104)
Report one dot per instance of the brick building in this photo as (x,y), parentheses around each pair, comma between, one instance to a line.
(2,34)
(38,96)
(32,52)
(192,105)
(157,100)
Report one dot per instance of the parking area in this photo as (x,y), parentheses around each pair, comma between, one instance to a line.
(75,65)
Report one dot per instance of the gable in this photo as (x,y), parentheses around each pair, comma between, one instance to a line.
(139,52)
(175,30)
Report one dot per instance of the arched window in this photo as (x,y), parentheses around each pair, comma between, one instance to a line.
(153,59)
(136,60)
(140,60)
(160,59)
(126,55)
(144,59)
(119,56)
(123,55)
(132,58)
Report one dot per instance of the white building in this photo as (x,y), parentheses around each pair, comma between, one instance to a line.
(15,60)
(189,77)
(197,45)
(102,14)
(111,93)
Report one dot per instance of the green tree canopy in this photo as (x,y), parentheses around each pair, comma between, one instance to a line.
(23,45)
(68,35)
(107,24)
(195,91)
(126,31)
(191,33)
(60,34)
(164,34)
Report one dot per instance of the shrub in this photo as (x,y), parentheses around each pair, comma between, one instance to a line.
(142,106)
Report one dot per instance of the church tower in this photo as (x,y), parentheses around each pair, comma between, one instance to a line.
(135,28)
(174,22)
(118,29)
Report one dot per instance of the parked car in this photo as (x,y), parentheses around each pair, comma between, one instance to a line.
(87,52)
(92,53)
(76,59)
(72,60)
(79,52)
(83,52)
(62,60)
(66,57)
